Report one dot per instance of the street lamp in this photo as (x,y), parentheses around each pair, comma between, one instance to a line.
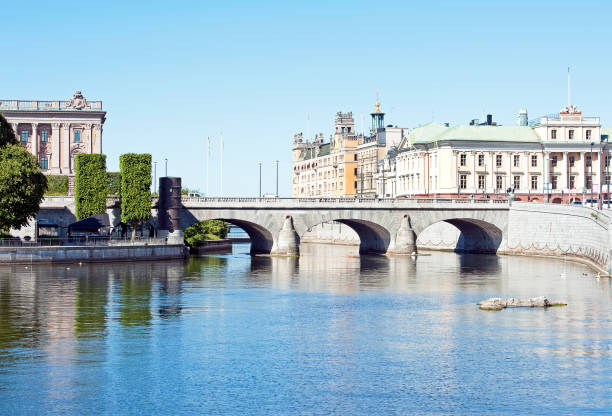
(591,173)
(260,179)
(166,160)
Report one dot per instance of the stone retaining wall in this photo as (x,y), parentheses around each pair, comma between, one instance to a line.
(82,254)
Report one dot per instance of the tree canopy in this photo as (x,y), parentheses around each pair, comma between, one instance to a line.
(135,188)
(90,185)
(22,186)
(7,134)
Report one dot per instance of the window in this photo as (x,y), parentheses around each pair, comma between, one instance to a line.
(571,134)
(481,181)
(480,160)
(77,135)
(517,161)
(463,181)
(25,135)
(553,161)
(462,159)
(355,156)
(588,161)
(44,163)
(588,134)
(607,180)
(553,134)
(572,181)
(498,161)
(534,182)
(516,182)
(499,182)
(572,161)
(553,181)
(534,161)
(607,161)
(355,171)
(44,136)
(355,185)
(589,182)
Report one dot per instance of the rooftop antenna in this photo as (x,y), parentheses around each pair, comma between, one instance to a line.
(569,101)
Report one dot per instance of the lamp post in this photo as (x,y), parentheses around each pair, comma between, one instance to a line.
(260,179)
(154,177)
(277,178)
(591,173)
(166,160)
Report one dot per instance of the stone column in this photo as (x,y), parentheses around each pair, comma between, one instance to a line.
(91,136)
(545,174)
(582,174)
(288,242)
(55,148)
(564,182)
(526,184)
(97,144)
(35,140)
(65,148)
(15,128)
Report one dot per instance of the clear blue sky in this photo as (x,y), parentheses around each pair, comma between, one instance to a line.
(171,74)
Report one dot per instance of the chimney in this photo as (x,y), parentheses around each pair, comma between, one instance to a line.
(489,119)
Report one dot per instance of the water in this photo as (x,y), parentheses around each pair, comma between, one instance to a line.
(327,333)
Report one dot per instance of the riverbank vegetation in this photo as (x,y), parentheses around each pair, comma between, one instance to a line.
(196,234)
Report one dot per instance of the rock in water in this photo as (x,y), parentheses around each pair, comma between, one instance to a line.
(497,304)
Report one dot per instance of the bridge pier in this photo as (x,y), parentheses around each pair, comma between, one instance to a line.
(405,239)
(288,242)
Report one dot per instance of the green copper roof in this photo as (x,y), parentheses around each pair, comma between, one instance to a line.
(310,153)
(424,133)
(490,133)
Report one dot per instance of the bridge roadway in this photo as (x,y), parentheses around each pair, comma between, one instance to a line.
(276,225)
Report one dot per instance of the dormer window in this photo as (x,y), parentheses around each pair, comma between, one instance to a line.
(588,134)
(571,134)
(553,134)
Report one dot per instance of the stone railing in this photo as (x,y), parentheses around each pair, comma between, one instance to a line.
(46,105)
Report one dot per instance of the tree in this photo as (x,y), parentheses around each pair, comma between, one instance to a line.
(135,188)
(22,186)
(199,232)
(7,134)
(90,185)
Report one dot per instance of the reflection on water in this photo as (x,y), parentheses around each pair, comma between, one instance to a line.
(328,332)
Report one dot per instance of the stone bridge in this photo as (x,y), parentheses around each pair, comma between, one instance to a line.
(276,225)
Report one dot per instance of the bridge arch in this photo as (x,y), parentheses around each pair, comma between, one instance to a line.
(467,235)
(373,237)
(261,237)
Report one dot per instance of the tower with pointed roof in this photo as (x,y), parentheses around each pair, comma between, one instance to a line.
(378,119)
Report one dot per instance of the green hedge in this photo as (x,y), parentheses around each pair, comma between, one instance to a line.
(114,183)
(135,188)
(90,185)
(57,185)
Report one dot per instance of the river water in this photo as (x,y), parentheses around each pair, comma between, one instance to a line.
(328,333)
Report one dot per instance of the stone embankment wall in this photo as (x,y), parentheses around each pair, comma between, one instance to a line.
(559,230)
(80,254)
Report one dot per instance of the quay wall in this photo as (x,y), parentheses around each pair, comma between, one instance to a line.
(89,254)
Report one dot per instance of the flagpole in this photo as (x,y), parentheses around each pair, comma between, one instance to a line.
(221,168)
(207,164)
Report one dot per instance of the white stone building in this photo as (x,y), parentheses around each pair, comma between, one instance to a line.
(558,159)
(55,131)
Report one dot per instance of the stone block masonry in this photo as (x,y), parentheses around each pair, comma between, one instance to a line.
(50,255)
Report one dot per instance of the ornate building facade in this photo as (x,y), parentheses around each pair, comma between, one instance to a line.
(326,168)
(560,159)
(55,131)
(346,165)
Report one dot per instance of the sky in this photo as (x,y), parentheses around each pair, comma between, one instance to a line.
(173,73)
